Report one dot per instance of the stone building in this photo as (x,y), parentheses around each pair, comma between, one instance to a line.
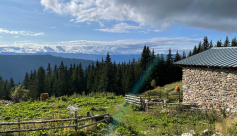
(210,77)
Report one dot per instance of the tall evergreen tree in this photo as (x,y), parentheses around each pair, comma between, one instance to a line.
(2,91)
(40,79)
(205,43)
(169,59)
(177,57)
(227,42)
(200,48)
(118,82)
(234,42)
(211,45)
(190,54)
(107,76)
(26,81)
(48,80)
(219,43)
(7,89)
(12,84)
(195,50)
(145,57)
(184,56)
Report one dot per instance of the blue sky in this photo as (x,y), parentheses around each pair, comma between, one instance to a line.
(114,26)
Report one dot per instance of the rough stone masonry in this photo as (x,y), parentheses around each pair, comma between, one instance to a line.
(206,86)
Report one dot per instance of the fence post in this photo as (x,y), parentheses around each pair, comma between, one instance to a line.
(75,121)
(160,94)
(147,108)
(87,113)
(141,101)
(19,127)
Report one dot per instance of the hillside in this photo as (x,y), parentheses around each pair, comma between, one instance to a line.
(16,66)
(127,119)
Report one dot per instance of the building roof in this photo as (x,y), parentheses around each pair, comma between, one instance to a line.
(216,56)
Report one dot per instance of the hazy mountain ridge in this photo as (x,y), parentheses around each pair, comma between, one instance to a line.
(16,66)
(116,58)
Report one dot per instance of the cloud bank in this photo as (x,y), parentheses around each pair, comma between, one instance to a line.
(160,45)
(4,31)
(218,15)
(120,28)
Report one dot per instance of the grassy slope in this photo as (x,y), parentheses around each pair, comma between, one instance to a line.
(128,119)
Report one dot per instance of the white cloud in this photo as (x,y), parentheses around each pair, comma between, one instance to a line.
(16,36)
(160,44)
(4,31)
(195,34)
(120,28)
(152,12)
(53,27)
(0,37)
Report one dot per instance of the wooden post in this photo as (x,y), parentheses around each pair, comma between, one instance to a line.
(141,102)
(19,127)
(94,120)
(160,94)
(87,113)
(75,122)
(147,107)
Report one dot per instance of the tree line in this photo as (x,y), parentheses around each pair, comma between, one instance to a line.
(107,76)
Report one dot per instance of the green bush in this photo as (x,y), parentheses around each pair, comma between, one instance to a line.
(19,93)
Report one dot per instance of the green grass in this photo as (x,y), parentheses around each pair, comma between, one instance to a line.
(127,119)
(170,88)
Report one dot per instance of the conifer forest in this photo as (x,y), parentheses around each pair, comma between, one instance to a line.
(107,76)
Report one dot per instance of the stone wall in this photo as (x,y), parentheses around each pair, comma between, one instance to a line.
(206,86)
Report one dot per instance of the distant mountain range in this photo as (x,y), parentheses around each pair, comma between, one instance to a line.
(16,66)
(116,58)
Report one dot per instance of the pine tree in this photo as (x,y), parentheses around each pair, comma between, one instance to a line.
(145,57)
(234,42)
(7,89)
(227,42)
(26,81)
(12,84)
(107,76)
(118,82)
(211,45)
(177,57)
(200,47)
(205,44)
(48,80)
(55,81)
(184,56)
(195,50)
(219,43)
(2,91)
(40,80)
(190,54)
(169,59)
(162,71)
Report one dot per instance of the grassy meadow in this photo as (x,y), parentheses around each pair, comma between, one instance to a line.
(127,119)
